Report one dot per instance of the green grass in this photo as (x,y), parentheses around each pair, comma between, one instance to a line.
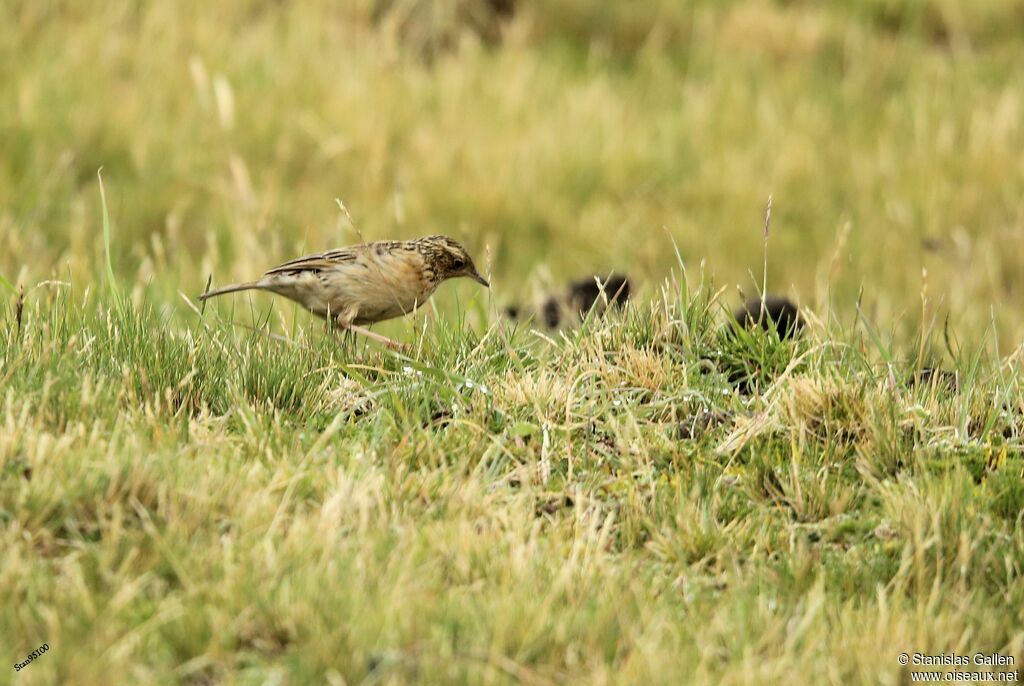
(235,495)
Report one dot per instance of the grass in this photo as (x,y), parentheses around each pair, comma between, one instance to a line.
(234,495)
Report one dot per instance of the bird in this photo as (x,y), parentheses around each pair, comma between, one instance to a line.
(366,283)
(771,312)
(581,296)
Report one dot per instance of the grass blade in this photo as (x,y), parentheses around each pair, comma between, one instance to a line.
(111,280)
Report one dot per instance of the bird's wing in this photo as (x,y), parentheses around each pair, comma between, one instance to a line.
(315,263)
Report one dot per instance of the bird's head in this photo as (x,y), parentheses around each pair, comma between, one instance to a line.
(448,259)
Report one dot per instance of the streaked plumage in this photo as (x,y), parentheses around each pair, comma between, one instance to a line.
(366,283)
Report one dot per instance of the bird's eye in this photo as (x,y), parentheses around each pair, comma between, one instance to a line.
(459,263)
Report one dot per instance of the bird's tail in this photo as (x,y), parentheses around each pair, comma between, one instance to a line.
(233,288)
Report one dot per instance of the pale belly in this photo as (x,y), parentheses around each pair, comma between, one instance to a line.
(370,297)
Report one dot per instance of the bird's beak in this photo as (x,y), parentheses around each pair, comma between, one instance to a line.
(479,279)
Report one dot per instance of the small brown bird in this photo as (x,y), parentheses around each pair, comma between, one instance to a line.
(366,283)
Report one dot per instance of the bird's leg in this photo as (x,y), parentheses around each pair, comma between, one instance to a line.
(345,324)
(384,340)
(343,321)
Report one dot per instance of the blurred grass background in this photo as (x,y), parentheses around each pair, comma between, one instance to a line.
(562,137)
